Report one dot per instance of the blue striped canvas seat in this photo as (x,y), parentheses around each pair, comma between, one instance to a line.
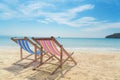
(25,45)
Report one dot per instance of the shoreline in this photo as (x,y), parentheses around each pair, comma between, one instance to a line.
(117,50)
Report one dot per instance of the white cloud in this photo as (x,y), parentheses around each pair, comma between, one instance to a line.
(49,20)
(6,12)
(36,9)
(43,21)
(29,9)
(81,8)
(103,26)
(32,8)
(85,21)
(67,16)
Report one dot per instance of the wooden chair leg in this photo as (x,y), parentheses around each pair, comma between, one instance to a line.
(21,53)
(60,66)
(70,56)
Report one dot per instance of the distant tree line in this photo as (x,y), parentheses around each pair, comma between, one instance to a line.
(115,35)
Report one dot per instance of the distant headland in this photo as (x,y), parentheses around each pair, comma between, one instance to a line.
(115,35)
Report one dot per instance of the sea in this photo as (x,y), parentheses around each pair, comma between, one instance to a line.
(75,43)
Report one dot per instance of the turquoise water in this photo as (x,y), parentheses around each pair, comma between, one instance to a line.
(5,41)
(74,42)
(90,42)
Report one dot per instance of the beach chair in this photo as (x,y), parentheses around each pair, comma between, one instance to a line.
(28,45)
(54,48)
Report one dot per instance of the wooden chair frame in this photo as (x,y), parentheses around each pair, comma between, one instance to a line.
(60,59)
(35,50)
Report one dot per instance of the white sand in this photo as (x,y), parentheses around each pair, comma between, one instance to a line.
(91,65)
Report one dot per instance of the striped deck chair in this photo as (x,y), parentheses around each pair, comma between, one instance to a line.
(53,47)
(24,44)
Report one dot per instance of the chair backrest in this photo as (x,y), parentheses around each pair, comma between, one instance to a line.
(50,45)
(24,43)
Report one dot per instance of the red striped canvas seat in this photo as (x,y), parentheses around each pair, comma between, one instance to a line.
(50,46)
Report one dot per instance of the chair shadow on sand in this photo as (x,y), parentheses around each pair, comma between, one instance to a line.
(42,73)
(15,69)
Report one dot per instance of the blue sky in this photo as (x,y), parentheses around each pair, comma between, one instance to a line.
(66,18)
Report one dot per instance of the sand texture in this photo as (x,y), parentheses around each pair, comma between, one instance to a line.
(91,65)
